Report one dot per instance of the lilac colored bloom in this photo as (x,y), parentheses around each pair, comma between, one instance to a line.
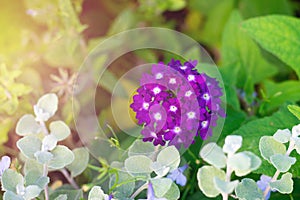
(151,195)
(4,164)
(187,104)
(178,176)
(263,183)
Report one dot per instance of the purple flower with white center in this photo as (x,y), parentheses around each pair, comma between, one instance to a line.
(4,164)
(178,176)
(263,183)
(189,104)
(150,193)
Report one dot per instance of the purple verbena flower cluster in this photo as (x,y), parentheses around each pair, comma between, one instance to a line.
(176,103)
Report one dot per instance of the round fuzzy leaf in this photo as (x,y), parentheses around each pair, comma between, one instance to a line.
(96,193)
(62,156)
(62,197)
(159,169)
(268,147)
(29,145)
(27,125)
(80,162)
(206,177)
(49,143)
(60,130)
(248,189)
(141,148)
(48,103)
(10,179)
(169,157)
(137,165)
(225,187)
(9,195)
(282,162)
(297,144)
(232,144)
(284,185)
(173,193)
(33,177)
(255,163)
(32,191)
(125,188)
(239,162)
(282,136)
(43,157)
(161,186)
(214,155)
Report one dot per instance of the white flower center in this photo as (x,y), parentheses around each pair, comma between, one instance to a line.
(206,96)
(177,130)
(204,124)
(191,115)
(153,134)
(156,90)
(173,108)
(159,76)
(191,77)
(188,93)
(157,116)
(146,105)
(183,67)
(172,81)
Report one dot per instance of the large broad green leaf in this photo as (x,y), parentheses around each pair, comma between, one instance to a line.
(279,35)
(278,93)
(254,130)
(238,50)
(295,110)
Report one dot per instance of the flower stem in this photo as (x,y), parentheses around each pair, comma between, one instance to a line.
(277,173)
(138,191)
(69,178)
(227,179)
(45,173)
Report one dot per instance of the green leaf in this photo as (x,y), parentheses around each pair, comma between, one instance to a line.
(284,185)
(224,186)
(33,164)
(80,162)
(136,165)
(268,147)
(205,177)
(295,110)
(159,169)
(96,193)
(126,187)
(49,143)
(43,157)
(232,144)
(10,179)
(5,126)
(175,5)
(60,130)
(161,186)
(238,50)
(141,148)
(169,157)
(8,195)
(27,125)
(267,31)
(72,194)
(62,156)
(282,136)
(173,193)
(278,93)
(253,131)
(48,103)
(29,145)
(282,162)
(33,177)
(248,189)
(255,163)
(32,191)
(62,197)
(214,155)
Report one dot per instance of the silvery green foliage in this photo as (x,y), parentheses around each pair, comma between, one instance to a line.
(97,193)
(146,163)
(39,146)
(276,150)
(215,179)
